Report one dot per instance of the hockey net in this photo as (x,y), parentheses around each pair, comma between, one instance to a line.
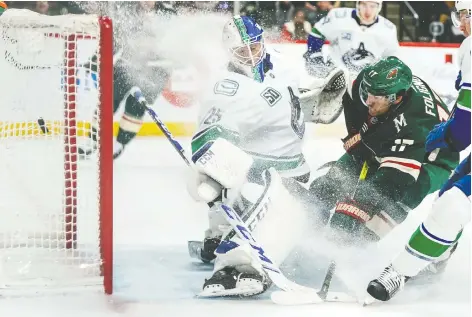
(56,222)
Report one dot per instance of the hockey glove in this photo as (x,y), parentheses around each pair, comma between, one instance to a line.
(461,170)
(349,222)
(354,145)
(437,138)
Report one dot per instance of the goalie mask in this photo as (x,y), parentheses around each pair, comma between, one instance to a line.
(382,84)
(243,38)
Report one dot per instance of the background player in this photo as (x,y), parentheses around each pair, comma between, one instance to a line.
(135,64)
(436,238)
(357,37)
(354,34)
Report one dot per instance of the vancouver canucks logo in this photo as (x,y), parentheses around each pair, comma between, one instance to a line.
(392,74)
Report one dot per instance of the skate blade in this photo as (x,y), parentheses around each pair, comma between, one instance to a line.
(246,291)
(194,248)
(195,251)
(369,300)
(309,297)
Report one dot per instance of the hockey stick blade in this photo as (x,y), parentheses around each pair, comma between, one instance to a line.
(309,297)
(313,297)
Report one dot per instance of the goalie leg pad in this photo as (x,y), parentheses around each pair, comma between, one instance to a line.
(277,221)
(450,213)
(275,209)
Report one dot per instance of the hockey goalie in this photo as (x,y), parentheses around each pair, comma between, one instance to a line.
(248,153)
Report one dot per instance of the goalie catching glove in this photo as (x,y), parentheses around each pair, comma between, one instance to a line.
(321,89)
(218,165)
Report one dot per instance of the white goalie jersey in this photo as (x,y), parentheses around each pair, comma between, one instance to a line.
(464,62)
(263,119)
(345,35)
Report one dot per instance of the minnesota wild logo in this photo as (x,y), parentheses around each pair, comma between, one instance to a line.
(392,74)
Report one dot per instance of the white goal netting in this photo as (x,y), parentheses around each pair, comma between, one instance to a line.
(50,198)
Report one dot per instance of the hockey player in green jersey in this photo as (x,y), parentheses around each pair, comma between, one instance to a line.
(388,114)
(432,244)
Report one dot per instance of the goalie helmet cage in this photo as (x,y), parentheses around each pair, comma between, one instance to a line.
(56,213)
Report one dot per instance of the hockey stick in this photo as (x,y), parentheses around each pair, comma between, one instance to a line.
(290,299)
(332,266)
(136,92)
(269,266)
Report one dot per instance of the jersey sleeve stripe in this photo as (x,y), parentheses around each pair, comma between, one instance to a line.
(212,133)
(464,98)
(316,33)
(408,166)
(464,108)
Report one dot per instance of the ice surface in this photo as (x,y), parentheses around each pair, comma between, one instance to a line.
(154,276)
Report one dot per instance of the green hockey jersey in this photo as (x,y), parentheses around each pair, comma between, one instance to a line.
(394,144)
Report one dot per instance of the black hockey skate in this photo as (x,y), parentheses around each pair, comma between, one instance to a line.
(387,284)
(118,149)
(205,251)
(231,282)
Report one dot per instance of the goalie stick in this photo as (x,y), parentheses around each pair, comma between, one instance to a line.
(269,266)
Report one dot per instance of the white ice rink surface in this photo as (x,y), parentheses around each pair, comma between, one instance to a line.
(154,276)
